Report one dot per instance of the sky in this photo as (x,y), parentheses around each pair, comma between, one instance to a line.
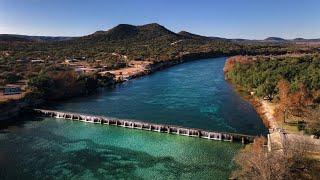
(251,19)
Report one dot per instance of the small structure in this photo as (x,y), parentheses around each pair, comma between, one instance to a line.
(69,61)
(11,89)
(115,54)
(85,70)
(37,61)
(22,60)
(139,64)
(176,42)
(79,58)
(267,98)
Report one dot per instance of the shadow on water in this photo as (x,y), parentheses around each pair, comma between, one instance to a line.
(82,158)
(18,121)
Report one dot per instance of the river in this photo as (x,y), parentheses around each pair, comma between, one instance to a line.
(193,94)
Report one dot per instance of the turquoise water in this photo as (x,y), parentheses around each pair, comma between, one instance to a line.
(61,149)
(192,94)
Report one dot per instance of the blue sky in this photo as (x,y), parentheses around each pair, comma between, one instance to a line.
(253,19)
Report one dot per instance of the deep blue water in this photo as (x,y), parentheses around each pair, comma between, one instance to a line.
(192,94)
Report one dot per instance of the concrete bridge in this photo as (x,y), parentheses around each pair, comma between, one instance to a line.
(132,124)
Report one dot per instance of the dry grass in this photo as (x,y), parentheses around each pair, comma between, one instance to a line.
(315,156)
(129,71)
(291,128)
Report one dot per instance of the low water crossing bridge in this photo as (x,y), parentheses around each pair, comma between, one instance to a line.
(133,124)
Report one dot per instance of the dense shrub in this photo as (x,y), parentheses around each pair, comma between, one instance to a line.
(263,74)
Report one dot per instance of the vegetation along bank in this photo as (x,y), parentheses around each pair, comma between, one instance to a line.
(285,90)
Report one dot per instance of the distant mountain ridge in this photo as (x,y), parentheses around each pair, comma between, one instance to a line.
(191,35)
(308,40)
(142,33)
(26,38)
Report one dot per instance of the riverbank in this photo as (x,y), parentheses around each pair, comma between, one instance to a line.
(284,141)
(14,108)
(266,112)
(264,106)
(147,67)
(280,133)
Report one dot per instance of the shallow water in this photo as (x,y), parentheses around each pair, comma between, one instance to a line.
(74,150)
(193,94)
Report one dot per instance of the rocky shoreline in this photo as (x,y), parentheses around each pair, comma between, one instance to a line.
(260,107)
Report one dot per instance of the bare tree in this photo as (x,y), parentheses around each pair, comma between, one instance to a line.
(255,162)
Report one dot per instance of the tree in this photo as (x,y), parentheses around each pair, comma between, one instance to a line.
(299,100)
(267,89)
(313,119)
(42,84)
(256,162)
(10,77)
(284,95)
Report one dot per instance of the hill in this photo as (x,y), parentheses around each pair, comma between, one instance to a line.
(150,42)
(307,40)
(13,38)
(131,32)
(275,39)
(191,35)
(25,38)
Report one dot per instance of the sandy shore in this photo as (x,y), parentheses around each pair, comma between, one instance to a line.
(278,134)
(268,109)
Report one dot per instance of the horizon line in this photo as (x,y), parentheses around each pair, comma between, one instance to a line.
(88,33)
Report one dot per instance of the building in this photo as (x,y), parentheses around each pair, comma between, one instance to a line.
(11,89)
(37,61)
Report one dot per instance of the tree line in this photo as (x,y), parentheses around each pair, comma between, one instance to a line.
(292,82)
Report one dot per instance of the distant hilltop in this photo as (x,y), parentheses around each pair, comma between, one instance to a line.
(274,39)
(26,38)
(149,31)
